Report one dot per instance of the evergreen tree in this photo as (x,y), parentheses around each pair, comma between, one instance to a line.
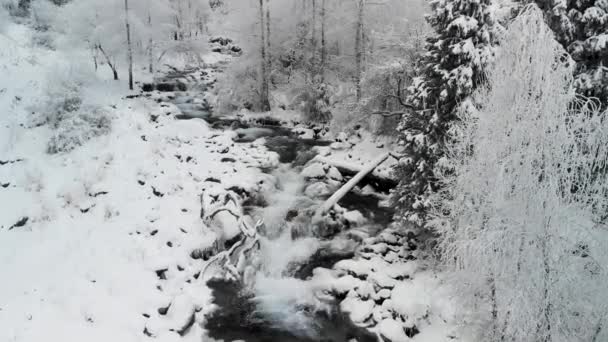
(582,28)
(451,69)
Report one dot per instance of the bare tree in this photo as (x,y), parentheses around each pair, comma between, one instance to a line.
(129,47)
(269,56)
(359,48)
(150,47)
(323,41)
(264,102)
(108,61)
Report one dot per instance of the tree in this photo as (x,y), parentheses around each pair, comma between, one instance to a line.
(451,69)
(129,47)
(323,40)
(359,48)
(264,101)
(268,47)
(522,215)
(582,28)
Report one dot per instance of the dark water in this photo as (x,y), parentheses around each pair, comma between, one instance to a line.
(237,319)
(369,206)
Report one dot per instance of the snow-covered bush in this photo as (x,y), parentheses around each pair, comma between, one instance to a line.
(241,91)
(73,117)
(5,7)
(522,221)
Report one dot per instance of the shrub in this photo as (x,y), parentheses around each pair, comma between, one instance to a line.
(73,118)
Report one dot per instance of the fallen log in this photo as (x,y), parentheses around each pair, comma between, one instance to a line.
(337,196)
(382,182)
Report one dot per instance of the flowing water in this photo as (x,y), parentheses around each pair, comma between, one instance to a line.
(283,306)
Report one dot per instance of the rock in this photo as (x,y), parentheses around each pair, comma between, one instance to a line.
(342,137)
(22,222)
(339,146)
(318,189)
(354,217)
(383,294)
(304,133)
(365,290)
(392,330)
(382,280)
(314,170)
(391,257)
(334,174)
(379,314)
(413,300)
(358,310)
(323,151)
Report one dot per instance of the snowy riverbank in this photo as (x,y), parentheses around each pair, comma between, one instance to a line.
(100,242)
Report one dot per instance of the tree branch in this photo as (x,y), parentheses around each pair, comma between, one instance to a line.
(389,114)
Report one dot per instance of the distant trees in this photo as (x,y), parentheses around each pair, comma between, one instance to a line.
(137,30)
(450,70)
(317,51)
(522,215)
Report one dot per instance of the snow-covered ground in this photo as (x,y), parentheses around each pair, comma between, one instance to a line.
(97,243)
(86,236)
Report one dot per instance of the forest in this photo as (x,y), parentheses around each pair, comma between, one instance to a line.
(304,170)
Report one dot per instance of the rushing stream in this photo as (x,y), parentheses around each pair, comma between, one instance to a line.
(283,306)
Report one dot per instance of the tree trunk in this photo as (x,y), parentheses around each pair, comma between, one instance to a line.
(269,56)
(323,42)
(544,329)
(313,37)
(109,62)
(129,47)
(150,47)
(94,52)
(264,102)
(359,49)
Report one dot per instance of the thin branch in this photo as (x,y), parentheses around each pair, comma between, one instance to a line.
(389,114)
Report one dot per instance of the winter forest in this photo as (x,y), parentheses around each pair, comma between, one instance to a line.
(304,170)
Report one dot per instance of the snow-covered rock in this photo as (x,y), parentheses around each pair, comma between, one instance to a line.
(358,310)
(334,174)
(392,331)
(413,300)
(314,170)
(354,217)
(317,190)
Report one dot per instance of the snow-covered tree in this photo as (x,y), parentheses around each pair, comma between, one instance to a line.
(582,28)
(451,69)
(522,217)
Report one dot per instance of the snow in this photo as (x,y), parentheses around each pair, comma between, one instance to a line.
(392,330)
(96,243)
(314,170)
(107,219)
(354,217)
(317,190)
(359,310)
